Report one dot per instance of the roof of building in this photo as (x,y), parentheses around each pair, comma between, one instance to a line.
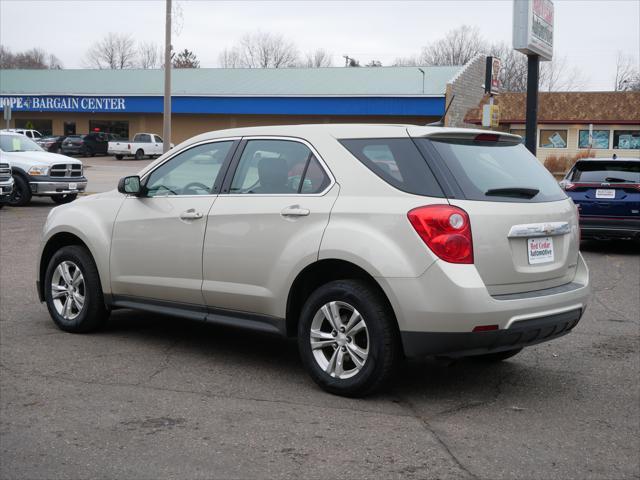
(566,107)
(336,81)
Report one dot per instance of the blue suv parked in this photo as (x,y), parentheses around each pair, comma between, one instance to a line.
(607,193)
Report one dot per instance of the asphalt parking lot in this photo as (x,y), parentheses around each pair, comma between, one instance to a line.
(156,397)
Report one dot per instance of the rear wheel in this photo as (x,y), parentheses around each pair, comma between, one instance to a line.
(73,291)
(348,339)
(139,154)
(66,198)
(21,194)
(498,356)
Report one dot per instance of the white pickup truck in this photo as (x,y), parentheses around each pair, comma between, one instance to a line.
(143,145)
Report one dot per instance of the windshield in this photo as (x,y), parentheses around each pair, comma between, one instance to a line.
(613,171)
(497,172)
(18,143)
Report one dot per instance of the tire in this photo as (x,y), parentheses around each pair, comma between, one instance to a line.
(379,338)
(21,194)
(119,157)
(88,152)
(498,356)
(59,150)
(139,154)
(92,314)
(65,198)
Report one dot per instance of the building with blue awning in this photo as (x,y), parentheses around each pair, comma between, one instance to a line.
(128,101)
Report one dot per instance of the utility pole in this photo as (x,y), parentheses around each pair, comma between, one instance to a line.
(166,119)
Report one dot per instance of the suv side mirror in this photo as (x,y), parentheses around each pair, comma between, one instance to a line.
(130,185)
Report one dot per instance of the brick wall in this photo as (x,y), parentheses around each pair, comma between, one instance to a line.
(468,88)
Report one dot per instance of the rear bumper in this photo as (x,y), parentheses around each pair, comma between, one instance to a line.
(520,334)
(609,227)
(448,301)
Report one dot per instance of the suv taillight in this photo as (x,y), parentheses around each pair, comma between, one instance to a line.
(446,231)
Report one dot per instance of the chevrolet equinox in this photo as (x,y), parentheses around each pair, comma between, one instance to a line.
(369,243)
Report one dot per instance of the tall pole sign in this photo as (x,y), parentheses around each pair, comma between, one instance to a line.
(533,36)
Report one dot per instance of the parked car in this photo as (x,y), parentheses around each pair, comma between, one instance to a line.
(467,247)
(88,145)
(52,143)
(607,193)
(142,145)
(40,173)
(6,181)
(34,134)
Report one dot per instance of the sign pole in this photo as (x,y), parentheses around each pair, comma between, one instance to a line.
(7,114)
(166,120)
(531,129)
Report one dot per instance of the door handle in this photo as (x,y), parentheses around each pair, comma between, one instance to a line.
(190,214)
(295,211)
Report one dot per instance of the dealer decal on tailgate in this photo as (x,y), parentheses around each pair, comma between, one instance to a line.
(540,250)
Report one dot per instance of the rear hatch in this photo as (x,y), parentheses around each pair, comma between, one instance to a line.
(524,228)
(607,189)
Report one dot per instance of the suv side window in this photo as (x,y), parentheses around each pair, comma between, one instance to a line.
(192,172)
(278,167)
(398,162)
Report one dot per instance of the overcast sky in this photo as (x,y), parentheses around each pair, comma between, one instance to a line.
(589,33)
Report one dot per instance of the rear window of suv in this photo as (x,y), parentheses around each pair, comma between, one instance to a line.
(398,162)
(497,171)
(613,171)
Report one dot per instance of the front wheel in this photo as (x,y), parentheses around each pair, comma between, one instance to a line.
(21,194)
(348,338)
(73,291)
(65,198)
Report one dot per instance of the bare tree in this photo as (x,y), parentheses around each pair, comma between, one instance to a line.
(115,51)
(405,62)
(185,59)
(317,59)
(627,73)
(149,55)
(456,48)
(261,50)
(556,76)
(230,58)
(35,58)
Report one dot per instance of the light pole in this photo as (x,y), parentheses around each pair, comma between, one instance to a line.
(166,119)
(422,72)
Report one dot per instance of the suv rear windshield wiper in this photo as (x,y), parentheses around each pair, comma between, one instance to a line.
(517,192)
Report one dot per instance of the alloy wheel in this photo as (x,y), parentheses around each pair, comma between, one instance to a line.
(68,290)
(339,340)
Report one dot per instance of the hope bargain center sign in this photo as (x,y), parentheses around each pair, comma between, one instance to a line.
(50,103)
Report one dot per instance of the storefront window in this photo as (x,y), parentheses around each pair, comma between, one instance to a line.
(626,139)
(43,126)
(553,139)
(119,128)
(599,139)
(69,128)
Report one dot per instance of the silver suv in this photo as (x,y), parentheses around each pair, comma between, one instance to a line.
(368,243)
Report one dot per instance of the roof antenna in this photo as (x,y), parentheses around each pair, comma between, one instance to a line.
(440,123)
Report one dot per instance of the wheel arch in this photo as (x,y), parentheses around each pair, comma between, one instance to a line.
(320,273)
(55,243)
